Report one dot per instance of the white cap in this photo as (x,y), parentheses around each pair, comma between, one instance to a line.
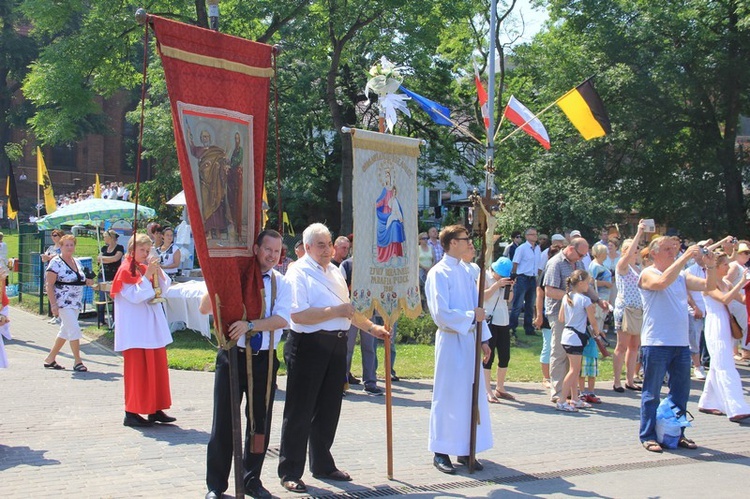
(575,233)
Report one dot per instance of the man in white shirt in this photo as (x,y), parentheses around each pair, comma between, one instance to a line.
(315,355)
(277,295)
(664,338)
(526,270)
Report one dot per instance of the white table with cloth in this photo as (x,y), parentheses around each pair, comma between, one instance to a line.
(183,302)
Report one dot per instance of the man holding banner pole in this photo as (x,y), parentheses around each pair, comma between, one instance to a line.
(452,298)
(315,355)
(257,377)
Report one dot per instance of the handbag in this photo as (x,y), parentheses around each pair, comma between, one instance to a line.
(632,320)
(737,332)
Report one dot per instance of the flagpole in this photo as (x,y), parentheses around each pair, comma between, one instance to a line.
(481,215)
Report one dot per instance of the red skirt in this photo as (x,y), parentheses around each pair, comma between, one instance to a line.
(146,380)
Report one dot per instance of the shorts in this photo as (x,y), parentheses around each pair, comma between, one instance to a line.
(69,328)
(573,349)
(589,367)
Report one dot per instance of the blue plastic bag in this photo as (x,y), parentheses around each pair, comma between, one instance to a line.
(669,423)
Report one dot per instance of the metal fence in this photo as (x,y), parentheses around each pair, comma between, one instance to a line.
(31,244)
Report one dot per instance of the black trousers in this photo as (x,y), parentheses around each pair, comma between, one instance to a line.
(316,372)
(219,452)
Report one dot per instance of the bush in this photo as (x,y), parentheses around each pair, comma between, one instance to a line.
(419,331)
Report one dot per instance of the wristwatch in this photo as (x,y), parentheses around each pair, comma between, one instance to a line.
(250,326)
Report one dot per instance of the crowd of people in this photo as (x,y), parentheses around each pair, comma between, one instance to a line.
(672,305)
(109,190)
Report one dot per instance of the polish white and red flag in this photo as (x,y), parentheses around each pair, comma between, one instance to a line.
(482,96)
(519,115)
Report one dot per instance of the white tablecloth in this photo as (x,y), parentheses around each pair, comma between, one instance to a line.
(183,301)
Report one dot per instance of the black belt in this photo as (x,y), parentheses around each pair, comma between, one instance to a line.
(338,334)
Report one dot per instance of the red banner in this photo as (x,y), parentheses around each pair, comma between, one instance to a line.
(218,88)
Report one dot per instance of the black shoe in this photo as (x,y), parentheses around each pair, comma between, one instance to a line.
(212,494)
(395,378)
(465,461)
(258,491)
(443,464)
(373,390)
(160,417)
(353,380)
(135,420)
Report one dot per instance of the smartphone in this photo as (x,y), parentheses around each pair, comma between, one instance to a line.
(649,225)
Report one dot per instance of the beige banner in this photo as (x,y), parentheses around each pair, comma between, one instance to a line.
(385,274)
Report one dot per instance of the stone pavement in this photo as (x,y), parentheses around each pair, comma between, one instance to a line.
(61,434)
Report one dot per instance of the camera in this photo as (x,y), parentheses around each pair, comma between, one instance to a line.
(704,251)
(734,240)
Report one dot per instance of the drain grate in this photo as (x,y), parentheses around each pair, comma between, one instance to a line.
(524,477)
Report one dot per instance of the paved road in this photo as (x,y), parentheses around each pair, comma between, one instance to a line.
(61,434)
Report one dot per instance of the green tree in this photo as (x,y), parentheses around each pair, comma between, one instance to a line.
(17,50)
(673,80)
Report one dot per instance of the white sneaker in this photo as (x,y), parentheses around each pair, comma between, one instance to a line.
(565,407)
(54,320)
(581,404)
(699,372)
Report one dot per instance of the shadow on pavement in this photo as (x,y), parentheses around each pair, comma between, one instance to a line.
(16,456)
(174,435)
(91,375)
(553,486)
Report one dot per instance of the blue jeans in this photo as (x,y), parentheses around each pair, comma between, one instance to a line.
(524,295)
(658,361)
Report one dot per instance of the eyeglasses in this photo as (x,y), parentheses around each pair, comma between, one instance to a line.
(424,238)
(517,237)
(579,253)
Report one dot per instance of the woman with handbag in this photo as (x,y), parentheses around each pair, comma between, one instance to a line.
(738,310)
(628,313)
(64,281)
(722,392)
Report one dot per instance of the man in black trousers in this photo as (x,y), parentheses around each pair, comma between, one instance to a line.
(277,296)
(315,355)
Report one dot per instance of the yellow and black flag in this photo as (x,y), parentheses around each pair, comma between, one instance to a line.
(585,109)
(42,177)
(12,193)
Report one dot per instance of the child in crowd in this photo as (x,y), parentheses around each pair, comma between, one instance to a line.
(589,372)
(576,309)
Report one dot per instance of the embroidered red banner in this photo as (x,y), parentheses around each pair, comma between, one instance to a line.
(218,88)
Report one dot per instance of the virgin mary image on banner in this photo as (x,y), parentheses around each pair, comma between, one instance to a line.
(391,234)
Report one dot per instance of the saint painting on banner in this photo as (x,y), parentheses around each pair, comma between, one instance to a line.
(385,274)
(220,162)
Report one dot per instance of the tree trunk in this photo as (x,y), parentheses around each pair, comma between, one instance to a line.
(727,155)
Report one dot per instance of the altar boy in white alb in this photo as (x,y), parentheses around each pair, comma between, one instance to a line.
(452,298)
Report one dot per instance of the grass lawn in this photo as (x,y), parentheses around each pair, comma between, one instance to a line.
(192,351)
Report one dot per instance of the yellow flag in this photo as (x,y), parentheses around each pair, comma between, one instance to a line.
(43,179)
(288,223)
(264,207)
(11,212)
(97,188)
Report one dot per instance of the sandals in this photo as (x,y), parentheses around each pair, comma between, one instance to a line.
(686,443)
(492,399)
(713,412)
(504,395)
(53,365)
(565,407)
(618,389)
(739,418)
(652,446)
(80,368)
(635,388)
